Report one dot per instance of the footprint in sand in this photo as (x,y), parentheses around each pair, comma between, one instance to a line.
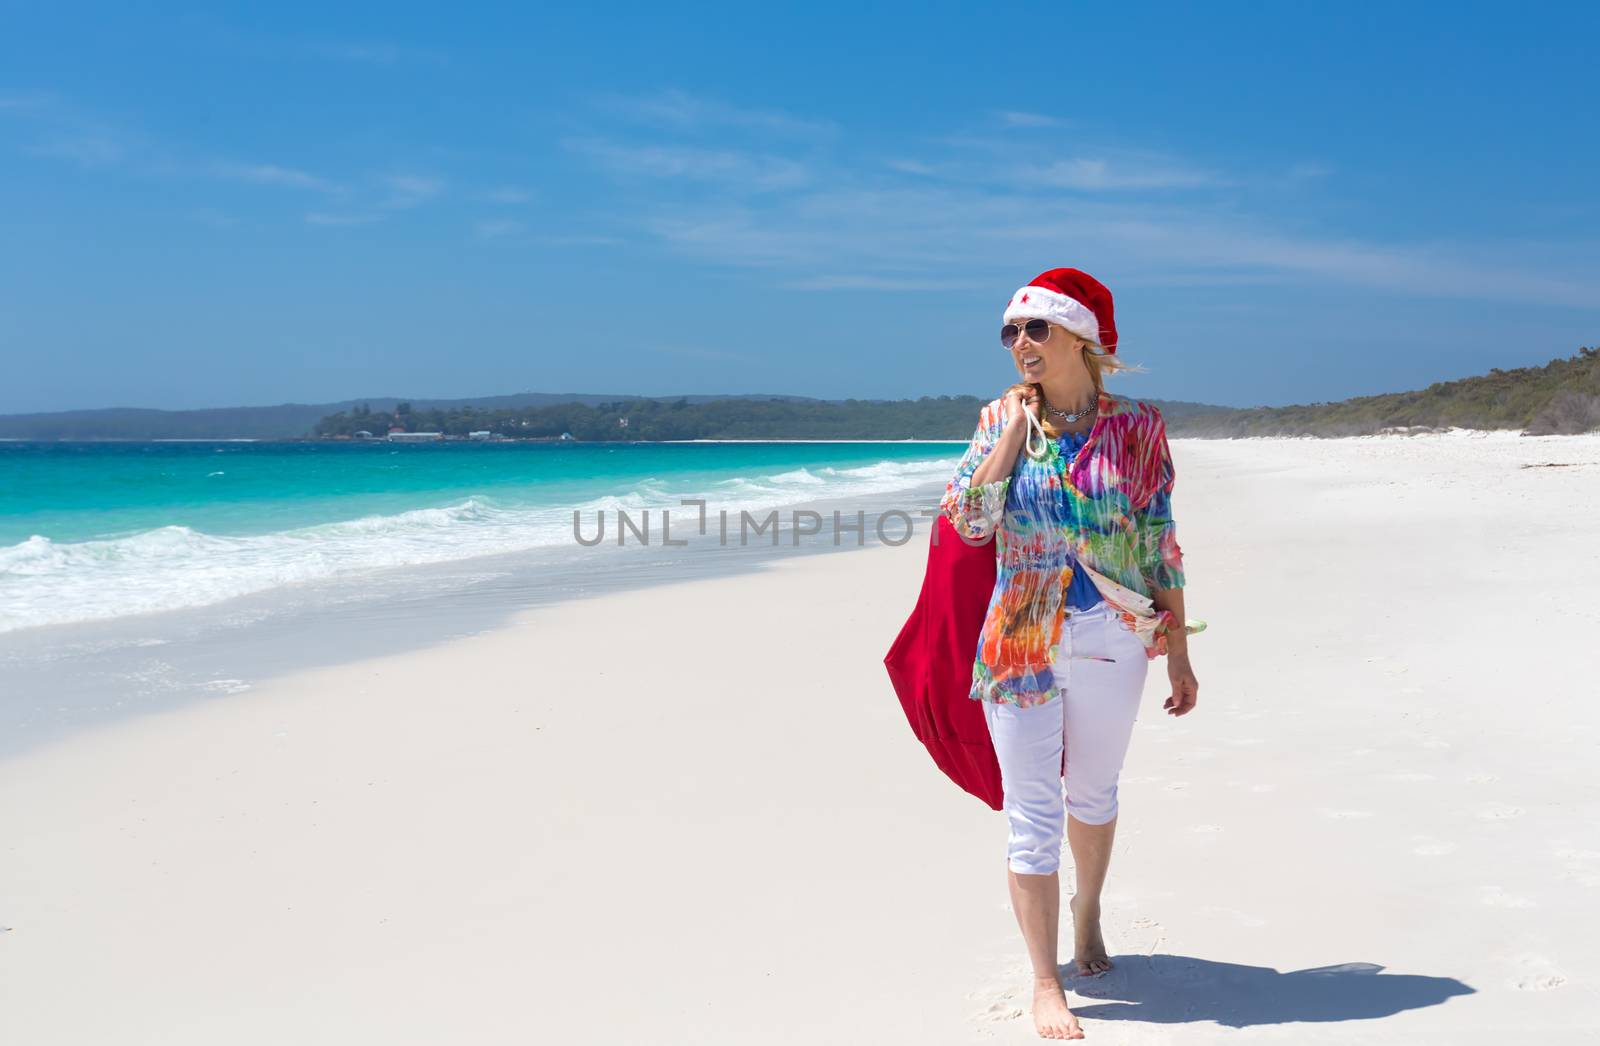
(1582,866)
(1541,982)
(1496,896)
(1499,812)
(1538,974)
(1001,1011)
(1432,847)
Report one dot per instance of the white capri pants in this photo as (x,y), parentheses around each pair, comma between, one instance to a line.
(1073,743)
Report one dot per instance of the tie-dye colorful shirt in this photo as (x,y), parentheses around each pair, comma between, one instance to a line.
(1108,507)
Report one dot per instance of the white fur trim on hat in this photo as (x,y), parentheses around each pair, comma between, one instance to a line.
(1043,303)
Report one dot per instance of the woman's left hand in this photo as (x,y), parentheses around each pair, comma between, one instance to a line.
(1185,687)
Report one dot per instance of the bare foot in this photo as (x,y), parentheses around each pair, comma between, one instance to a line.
(1051,1018)
(1089,948)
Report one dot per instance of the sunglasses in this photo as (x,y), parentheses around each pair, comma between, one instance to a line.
(1038,332)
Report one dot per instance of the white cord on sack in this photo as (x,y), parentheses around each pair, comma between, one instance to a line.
(1035,426)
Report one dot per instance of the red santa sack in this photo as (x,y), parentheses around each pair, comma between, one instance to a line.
(930,662)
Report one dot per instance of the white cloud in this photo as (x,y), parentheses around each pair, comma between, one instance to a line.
(213,218)
(272,174)
(352,50)
(496,228)
(967,213)
(916,167)
(676,109)
(407,191)
(332,219)
(726,166)
(507,194)
(578,240)
(24,101)
(80,138)
(1017,119)
(1100,173)
(862,239)
(370,52)
(1061,163)
(1308,169)
(883,283)
(86,149)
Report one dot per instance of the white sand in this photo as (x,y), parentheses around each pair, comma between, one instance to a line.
(696,813)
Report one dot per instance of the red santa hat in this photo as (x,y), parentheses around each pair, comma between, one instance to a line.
(1068,298)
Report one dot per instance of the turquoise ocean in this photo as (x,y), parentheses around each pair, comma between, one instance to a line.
(96,531)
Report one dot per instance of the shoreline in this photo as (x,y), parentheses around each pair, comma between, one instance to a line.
(61,676)
(115,668)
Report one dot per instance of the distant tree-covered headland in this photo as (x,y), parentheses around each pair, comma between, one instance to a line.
(931,417)
(1562,396)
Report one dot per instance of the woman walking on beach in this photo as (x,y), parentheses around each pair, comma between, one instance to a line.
(1073,484)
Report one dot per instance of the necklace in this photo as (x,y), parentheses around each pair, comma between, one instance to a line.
(1071,418)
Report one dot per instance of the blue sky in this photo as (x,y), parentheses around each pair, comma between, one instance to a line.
(260,204)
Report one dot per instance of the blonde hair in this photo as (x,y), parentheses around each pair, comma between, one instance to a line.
(1100,364)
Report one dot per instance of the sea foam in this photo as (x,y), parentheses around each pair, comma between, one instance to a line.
(48,582)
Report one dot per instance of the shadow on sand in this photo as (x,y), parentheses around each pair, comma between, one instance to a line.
(1177,989)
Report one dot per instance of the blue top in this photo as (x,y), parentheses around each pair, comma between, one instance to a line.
(1081,593)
